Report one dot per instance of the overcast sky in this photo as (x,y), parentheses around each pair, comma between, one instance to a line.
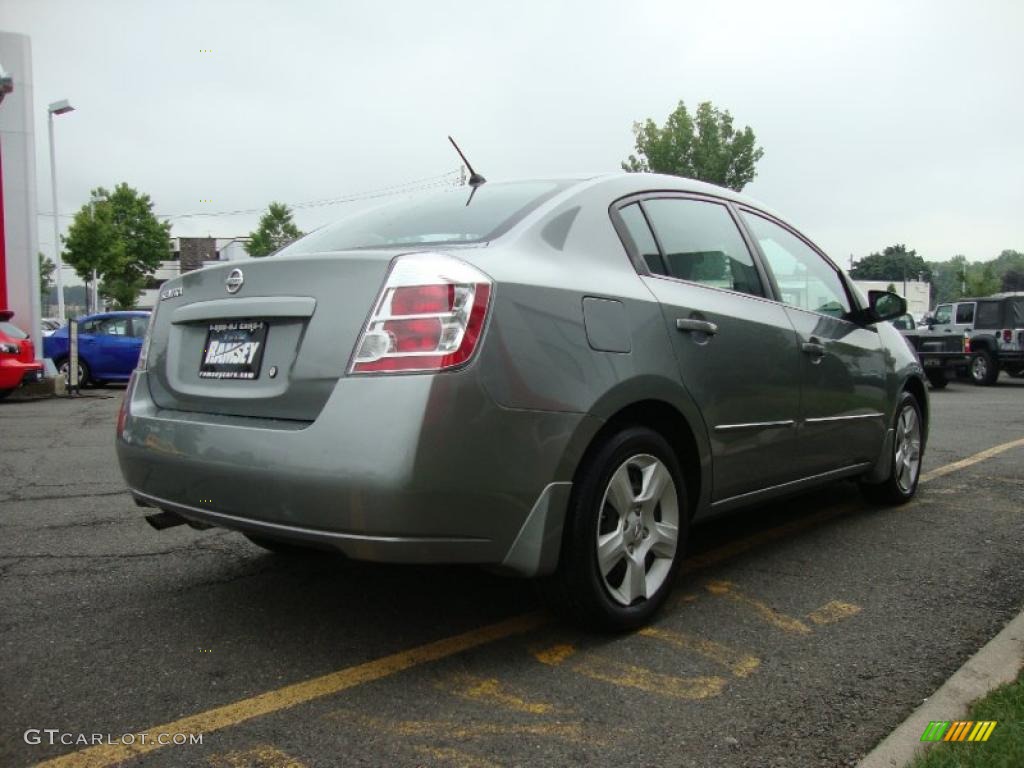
(881,122)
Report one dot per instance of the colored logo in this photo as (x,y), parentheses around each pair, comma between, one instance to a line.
(958,730)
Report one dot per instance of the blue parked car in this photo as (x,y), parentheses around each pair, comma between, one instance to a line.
(108,346)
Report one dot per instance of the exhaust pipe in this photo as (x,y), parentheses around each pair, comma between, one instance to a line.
(161,520)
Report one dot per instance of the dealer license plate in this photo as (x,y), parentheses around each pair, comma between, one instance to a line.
(234,350)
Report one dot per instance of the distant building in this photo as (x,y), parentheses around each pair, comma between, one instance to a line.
(916,292)
(187,254)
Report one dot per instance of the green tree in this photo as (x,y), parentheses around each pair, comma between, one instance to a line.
(275,231)
(982,279)
(1013,280)
(46,269)
(949,279)
(705,146)
(121,239)
(895,263)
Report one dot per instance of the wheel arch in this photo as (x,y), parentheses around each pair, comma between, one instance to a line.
(667,411)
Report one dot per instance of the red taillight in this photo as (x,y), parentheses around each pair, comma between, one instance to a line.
(422,299)
(420,335)
(1008,336)
(967,344)
(122,413)
(429,317)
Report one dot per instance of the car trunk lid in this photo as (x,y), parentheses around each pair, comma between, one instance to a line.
(287,323)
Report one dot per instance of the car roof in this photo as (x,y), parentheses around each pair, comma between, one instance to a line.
(116,313)
(623,184)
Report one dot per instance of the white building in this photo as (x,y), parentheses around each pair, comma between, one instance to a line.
(916,292)
(188,253)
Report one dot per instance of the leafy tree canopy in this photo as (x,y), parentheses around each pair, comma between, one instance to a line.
(895,263)
(46,268)
(275,231)
(121,239)
(705,146)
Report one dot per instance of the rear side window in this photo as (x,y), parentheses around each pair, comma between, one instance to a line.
(965,313)
(446,217)
(805,279)
(701,243)
(943,314)
(987,315)
(643,240)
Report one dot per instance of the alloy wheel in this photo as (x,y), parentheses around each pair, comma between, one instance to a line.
(638,529)
(908,449)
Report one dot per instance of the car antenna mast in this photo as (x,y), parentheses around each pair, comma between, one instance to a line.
(475,179)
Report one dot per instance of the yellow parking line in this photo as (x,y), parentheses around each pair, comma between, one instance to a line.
(260,756)
(491,691)
(778,620)
(739,663)
(988,453)
(456,757)
(632,676)
(298,693)
(833,611)
(103,755)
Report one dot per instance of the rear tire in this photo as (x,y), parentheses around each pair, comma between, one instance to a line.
(984,368)
(905,459)
(4,393)
(64,367)
(624,535)
(938,380)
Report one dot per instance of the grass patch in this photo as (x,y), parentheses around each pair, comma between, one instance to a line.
(1004,749)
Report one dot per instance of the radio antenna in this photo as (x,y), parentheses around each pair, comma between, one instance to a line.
(475,179)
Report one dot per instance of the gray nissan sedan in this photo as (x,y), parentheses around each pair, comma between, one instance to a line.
(554,378)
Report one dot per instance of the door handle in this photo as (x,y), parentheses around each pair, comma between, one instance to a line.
(688,325)
(815,349)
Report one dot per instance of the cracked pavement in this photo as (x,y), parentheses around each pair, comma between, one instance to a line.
(803,649)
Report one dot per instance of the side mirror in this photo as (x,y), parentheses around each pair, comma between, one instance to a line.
(882,305)
(886,305)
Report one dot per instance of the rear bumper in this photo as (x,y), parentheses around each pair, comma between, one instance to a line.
(14,373)
(395,469)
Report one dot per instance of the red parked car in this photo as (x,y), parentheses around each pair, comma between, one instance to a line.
(17,357)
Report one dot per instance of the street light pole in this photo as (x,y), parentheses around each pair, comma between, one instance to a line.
(57,108)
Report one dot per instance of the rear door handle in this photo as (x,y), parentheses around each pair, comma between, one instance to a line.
(688,325)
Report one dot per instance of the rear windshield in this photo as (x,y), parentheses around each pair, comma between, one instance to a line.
(1015,313)
(13,331)
(445,217)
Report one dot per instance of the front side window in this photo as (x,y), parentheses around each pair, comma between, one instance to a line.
(965,313)
(943,314)
(89,326)
(701,243)
(805,279)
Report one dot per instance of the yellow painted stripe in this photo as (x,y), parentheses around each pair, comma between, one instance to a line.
(988,453)
(104,755)
(977,730)
(298,693)
(988,731)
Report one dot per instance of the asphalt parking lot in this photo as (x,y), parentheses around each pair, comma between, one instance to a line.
(799,634)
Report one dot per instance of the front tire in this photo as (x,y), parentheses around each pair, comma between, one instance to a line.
(907,451)
(984,369)
(625,533)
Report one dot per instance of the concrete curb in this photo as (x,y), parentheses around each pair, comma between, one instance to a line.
(995,664)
